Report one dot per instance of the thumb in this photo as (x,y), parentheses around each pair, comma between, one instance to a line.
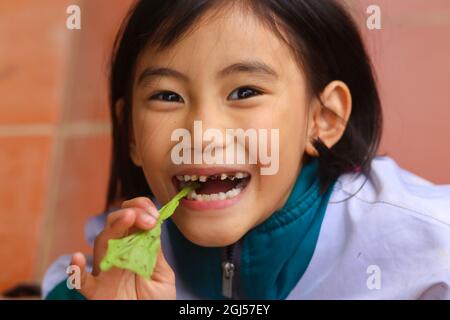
(87,280)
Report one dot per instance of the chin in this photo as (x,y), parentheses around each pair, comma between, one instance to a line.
(209,235)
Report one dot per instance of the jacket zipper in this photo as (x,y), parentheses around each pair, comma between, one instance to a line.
(228,272)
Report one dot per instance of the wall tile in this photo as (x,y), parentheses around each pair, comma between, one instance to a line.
(24,173)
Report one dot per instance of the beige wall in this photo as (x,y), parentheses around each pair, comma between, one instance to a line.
(411,55)
(54,143)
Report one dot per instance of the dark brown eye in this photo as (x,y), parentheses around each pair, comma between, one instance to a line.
(167,96)
(243,93)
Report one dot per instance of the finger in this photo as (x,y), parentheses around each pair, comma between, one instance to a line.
(116,215)
(163,272)
(142,221)
(118,223)
(87,281)
(142,203)
(117,226)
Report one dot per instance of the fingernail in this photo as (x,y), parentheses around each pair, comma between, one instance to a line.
(148,219)
(153,211)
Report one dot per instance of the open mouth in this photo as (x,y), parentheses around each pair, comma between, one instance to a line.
(215,187)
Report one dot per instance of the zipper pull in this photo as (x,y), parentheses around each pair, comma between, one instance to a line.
(227,279)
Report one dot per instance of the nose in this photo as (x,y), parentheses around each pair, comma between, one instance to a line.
(207,124)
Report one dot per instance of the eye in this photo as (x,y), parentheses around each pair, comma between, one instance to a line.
(167,96)
(244,93)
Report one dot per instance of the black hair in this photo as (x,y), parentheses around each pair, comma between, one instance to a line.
(322,35)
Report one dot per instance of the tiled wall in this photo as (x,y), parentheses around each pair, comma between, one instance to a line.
(54,131)
(54,142)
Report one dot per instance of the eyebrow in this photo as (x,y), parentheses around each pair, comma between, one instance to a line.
(253,66)
(151,72)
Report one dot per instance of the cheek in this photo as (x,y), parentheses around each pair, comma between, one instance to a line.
(291,121)
(152,135)
(290,118)
(294,131)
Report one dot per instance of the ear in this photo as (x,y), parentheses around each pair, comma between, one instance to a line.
(328,119)
(134,152)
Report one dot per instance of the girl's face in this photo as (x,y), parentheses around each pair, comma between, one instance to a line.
(269,94)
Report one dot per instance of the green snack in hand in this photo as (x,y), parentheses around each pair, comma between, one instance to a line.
(138,252)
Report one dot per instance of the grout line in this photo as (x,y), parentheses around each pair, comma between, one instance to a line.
(70,129)
(86,129)
(27,130)
(47,231)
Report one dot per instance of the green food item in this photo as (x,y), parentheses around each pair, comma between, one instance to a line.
(138,252)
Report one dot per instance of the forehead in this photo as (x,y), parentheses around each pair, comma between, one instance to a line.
(221,38)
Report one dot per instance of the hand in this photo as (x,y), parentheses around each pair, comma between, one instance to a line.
(136,214)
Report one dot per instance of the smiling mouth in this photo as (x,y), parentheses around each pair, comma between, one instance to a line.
(215,187)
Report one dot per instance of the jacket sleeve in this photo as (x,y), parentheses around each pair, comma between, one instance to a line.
(439,290)
(62,292)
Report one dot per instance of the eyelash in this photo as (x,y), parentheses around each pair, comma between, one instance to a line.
(155,96)
(257,92)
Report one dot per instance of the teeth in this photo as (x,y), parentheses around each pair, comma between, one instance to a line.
(214,196)
(223,176)
(233,192)
(187,178)
(240,185)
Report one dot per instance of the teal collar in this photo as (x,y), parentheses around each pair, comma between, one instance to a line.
(273,256)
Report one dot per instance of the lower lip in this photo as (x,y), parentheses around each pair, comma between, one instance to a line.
(213,204)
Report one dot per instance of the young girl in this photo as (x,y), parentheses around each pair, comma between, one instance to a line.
(333,222)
